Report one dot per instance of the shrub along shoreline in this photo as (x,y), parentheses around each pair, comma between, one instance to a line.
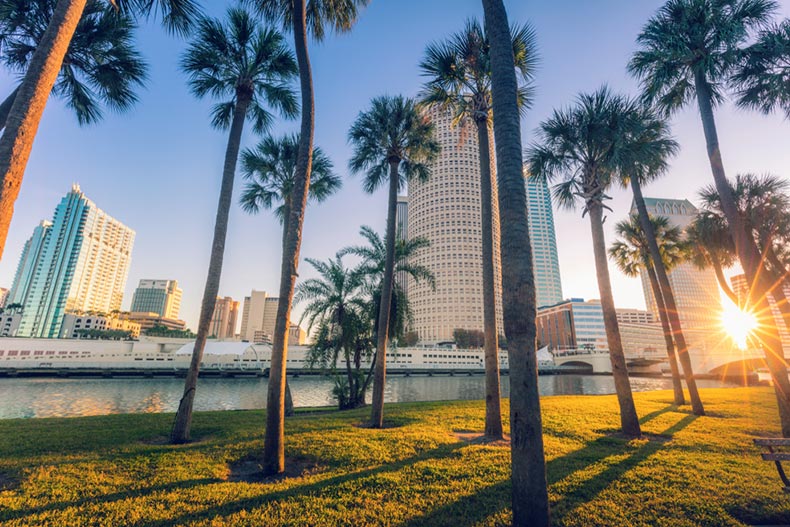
(115,470)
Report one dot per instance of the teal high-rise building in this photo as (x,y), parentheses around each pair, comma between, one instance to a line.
(78,262)
(546,262)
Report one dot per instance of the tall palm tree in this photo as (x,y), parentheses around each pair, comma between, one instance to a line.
(101,64)
(688,50)
(459,81)
(393,143)
(42,72)
(762,79)
(249,67)
(316,18)
(763,206)
(581,146)
(334,301)
(644,155)
(374,262)
(632,256)
(530,500)
(270,168)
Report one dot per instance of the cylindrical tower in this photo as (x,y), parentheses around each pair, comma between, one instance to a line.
(446,211)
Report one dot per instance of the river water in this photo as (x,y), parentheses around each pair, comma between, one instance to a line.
(45,397)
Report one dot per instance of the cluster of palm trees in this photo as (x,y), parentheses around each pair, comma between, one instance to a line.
(690,49)
(342,305)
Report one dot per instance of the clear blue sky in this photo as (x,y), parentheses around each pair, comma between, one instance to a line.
(158,168)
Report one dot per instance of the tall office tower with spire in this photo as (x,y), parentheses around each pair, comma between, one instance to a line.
(78,262)
(446,211)
(546,262)
(696,291)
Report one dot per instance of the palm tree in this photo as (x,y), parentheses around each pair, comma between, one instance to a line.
(270,168)
(644,156)
(374,261)
(762,77)
(581,145)
(101,64)
(530,500)
(335,304)
(249,66)
(393,141)
(710,245)
(688,50)
(763,206)
(631,254)
(43,69)
(459,81)
(316,17)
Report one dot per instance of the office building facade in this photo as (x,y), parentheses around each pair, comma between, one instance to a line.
(545,260)
(225,319)
(157,296)
(446,211)
(79,262)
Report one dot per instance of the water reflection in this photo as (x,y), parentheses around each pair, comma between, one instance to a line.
(75,397)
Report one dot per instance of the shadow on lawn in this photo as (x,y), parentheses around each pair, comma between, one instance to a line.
(474,508)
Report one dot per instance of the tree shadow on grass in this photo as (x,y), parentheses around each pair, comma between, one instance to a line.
(7,514)
(227,509)
(474,508)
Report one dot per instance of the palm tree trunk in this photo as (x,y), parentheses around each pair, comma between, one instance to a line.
(748,255)
(628,418)
(719,272)
(380,377)
(493,422)
(25,114)
(183,420)
(668,296)
(677,385)
(274,438)
(5,107)
(530,500)
(289,401)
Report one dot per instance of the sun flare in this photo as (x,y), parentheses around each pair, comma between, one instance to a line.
(738,324)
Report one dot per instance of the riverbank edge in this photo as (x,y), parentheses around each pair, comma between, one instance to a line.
(116,469)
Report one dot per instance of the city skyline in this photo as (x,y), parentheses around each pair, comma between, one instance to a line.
(173,166)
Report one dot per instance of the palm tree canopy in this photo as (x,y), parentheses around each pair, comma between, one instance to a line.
(762,79)
(392,130)
(631,252)
(178,16)
(647,146)
(686,37)
(239,58)
(330,296)
(709,241)
(269,169)
(581,146)
(459,71)
(763,204)
(101,65)
(323,16)
(374,254)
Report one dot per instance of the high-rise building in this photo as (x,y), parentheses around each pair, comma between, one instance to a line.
(546,262)
(696,291)
(30,260)
(402,233)
(259,315)
(225,318)
(446,211)
(157,296)
(78,263)
(3,296)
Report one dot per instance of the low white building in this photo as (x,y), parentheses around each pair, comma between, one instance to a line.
(9,324)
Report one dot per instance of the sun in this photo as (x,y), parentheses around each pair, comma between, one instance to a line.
(738,324)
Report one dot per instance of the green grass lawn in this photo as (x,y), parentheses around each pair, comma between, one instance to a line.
(113,470)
